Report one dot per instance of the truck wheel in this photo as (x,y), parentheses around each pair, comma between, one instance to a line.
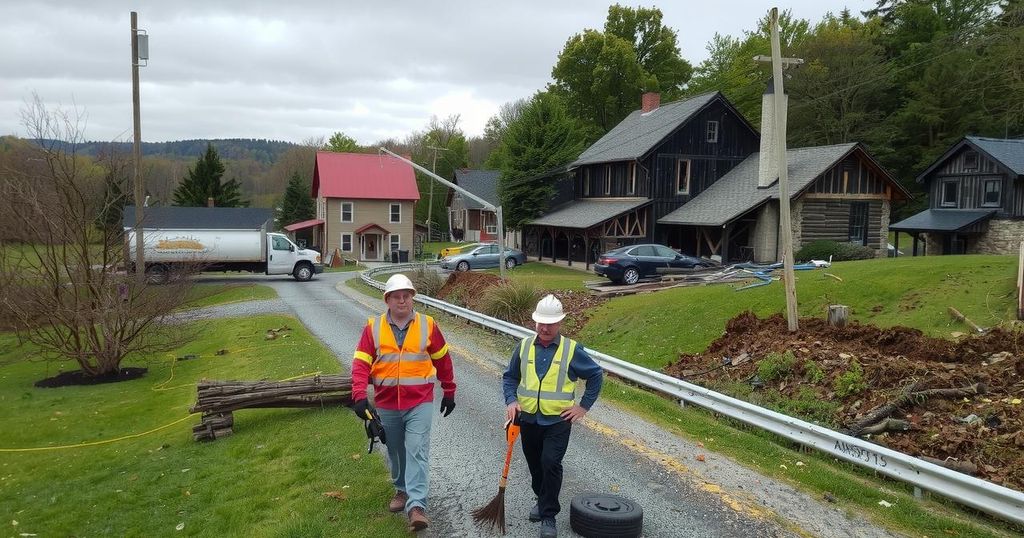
(157,274)
(596,515)
(303,272)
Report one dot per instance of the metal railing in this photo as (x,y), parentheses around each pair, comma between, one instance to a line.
(991,498)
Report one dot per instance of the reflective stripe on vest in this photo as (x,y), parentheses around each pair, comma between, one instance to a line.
(405,365)
(556,392)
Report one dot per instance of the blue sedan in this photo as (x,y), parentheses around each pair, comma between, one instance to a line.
(631,263)
(482,257)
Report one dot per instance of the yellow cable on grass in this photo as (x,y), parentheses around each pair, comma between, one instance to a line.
(95,443)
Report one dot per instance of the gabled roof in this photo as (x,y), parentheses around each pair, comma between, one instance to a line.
(737,192)
(363,176)
(200,218)
(302,225)
(942,220)
(483,183)
(585,213)
(372,226)
(639,132)
(1006,151)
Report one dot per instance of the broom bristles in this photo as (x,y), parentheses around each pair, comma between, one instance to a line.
(493,513)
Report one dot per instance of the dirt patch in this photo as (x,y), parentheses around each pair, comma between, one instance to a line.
(861,367)
(78,377)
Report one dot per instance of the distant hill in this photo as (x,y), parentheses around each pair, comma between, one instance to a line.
(258,149)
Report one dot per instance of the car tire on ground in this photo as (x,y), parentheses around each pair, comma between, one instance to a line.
(631,275)
(510,263)
(462,266)
(597,515)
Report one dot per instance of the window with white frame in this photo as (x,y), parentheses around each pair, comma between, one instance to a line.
(683,176)
(712,132)
(950,190)
(632,178)
(586,182)
(396,213)
(320,208)
(347,210)
(491,229)
(971,160)
(346,242)
(396,242)
(607,179)
(991,196)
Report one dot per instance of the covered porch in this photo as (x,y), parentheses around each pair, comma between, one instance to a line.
(307,233)
(580,231)
(943,231)
(372,240)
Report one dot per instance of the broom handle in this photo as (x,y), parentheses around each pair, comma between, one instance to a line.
(508,455)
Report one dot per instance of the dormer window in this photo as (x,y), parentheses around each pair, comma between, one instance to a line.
(971,160)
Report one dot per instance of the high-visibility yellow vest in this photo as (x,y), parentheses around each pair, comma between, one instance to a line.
(405,365)
(556,392)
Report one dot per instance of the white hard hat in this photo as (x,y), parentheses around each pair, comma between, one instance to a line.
(398,281)
(549,310)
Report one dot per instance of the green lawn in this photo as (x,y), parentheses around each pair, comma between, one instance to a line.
(549,277)
(911,291)
(62,477)
(211,294)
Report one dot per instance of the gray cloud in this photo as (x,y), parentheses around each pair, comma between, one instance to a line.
(297,69)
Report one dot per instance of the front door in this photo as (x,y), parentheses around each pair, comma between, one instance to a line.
(370,247)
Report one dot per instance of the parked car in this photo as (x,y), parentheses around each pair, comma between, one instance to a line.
(482,257)
(456,249)
(631,263)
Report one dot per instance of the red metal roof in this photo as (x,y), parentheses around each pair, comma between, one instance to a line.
(363,176)
(370,227)
(303,224)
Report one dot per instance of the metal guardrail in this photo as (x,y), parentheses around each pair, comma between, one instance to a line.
(980,494)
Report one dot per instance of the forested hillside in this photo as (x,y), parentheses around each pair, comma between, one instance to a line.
(257,149)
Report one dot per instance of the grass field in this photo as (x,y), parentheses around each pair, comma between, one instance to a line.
(119,460)
(210,294)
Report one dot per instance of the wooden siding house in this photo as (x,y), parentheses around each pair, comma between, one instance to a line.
(976,199)
(655,160)
(837,193)
(366,203)
(467,218)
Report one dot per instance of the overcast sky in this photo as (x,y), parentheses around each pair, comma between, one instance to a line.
(291,70)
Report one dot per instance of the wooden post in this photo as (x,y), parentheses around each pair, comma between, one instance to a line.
(838,315)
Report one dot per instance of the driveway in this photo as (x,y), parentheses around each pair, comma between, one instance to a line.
(611,451)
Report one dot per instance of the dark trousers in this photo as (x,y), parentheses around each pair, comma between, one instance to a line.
(544,448)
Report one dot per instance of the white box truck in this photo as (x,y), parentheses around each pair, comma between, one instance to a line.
(215,239)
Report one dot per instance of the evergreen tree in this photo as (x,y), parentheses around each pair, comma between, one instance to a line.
(543,137)
(297,205)
(204,181)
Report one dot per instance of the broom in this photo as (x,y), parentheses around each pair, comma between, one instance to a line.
(493,514)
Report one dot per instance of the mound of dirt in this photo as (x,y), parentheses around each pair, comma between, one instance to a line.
(862,367)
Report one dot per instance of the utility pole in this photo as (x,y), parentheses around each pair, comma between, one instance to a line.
(430,206)
(785,223)
(140,261)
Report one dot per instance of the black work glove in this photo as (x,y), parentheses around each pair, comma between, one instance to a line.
(359,407)
(447,406)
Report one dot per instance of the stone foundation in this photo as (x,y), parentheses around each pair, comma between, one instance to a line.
(1003,237)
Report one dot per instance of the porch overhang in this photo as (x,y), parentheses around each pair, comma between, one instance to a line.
(942,220)
(371,228)
(304,224)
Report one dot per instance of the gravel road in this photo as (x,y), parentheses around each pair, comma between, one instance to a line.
(612,451)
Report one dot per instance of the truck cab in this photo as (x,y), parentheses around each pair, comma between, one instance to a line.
(285,258)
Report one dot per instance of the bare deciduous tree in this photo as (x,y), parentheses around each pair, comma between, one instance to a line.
(64,288)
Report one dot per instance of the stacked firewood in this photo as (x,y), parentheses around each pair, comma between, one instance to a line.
(217,400)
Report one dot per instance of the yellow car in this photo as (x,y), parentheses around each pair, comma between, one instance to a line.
(457,249)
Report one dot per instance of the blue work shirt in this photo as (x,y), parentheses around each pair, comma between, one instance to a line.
(582,366)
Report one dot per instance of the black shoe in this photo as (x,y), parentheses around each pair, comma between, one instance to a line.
(548,529)
(535,513)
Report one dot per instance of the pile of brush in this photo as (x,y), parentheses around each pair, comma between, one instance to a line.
(216,400)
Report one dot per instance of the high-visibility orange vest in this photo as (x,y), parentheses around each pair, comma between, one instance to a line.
(407,365)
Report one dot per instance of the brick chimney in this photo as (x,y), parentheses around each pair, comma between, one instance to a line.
(768,158)
(650,101)
(209,202)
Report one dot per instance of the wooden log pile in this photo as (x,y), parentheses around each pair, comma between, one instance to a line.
(217,400)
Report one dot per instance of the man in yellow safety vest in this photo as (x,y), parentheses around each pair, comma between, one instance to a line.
(539,385)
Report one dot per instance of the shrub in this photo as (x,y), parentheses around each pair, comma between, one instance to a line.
(512,301)
(428,282)
(821,250)
(850,381)
(775,366)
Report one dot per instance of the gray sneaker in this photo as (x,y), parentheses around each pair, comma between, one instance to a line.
(535,513)
(548,529)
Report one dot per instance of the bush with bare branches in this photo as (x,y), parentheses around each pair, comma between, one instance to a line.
(64,289)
